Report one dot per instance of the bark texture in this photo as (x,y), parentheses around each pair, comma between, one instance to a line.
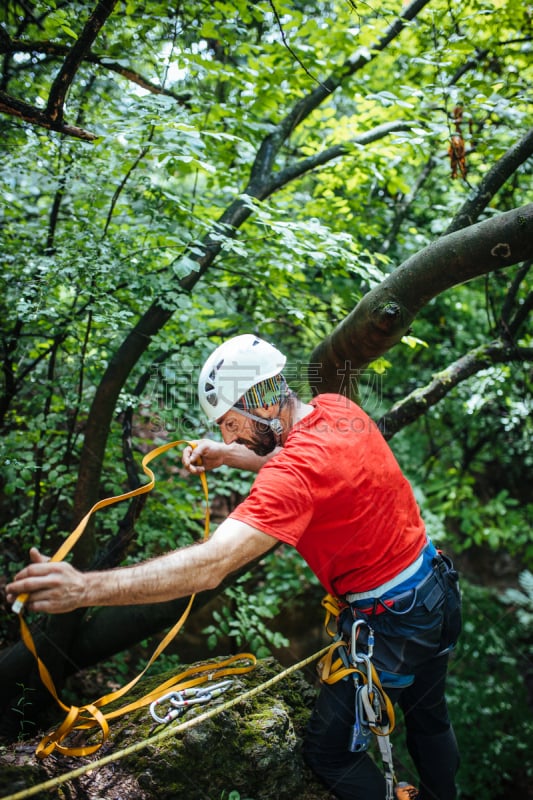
(385,314)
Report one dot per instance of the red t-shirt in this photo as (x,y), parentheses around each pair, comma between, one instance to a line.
(336,493)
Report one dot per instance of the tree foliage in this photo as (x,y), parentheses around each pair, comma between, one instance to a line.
(341,182)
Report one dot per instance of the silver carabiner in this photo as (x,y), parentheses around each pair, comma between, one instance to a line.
(171,698)
(353,640)
(356,659)
(179,700)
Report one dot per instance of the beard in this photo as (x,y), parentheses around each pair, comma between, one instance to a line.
(263,441)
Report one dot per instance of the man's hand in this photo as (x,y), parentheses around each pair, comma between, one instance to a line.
(209,454)
(206,455)
(52,586)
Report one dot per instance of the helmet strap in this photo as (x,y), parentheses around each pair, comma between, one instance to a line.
(274,424)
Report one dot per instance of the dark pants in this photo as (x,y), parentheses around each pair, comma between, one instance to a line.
(429,734)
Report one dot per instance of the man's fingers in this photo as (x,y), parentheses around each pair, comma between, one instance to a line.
(34,576)
(192,460)
(37,557)
(45,585)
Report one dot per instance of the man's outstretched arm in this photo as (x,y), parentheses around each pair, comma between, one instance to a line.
(56,587)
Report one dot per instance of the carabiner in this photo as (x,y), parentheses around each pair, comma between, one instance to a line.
(353,641)
(180,700)
(172,714)
(356,659)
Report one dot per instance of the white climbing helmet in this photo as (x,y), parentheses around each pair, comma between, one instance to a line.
(232,369)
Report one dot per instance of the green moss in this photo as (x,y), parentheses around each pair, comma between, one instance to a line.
(253,748)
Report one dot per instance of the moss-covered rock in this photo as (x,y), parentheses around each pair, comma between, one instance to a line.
(252,749)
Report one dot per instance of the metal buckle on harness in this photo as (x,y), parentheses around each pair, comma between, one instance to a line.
(181,699)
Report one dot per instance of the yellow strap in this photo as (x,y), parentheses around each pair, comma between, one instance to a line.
(89,716)
(332,669)
(71,540)
(333,608)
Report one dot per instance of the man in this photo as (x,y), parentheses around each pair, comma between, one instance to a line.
(328,484)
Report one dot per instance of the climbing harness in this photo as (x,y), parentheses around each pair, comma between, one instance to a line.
(181,700)
(374,712)
(89,716)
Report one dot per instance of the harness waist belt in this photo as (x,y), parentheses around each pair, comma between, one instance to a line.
(399,602)
(379,591)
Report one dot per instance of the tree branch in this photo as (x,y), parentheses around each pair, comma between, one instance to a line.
(239,211)
(507,321)
(384,315)
(56,49)
(76,55)
(521,314)
(264,161)
(52,117)
(26,112)
(418,402)
(300,168)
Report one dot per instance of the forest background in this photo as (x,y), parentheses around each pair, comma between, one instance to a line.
(175,175)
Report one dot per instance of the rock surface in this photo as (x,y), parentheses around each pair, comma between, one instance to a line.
(251,751)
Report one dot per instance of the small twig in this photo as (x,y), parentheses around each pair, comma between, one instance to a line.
(289,48)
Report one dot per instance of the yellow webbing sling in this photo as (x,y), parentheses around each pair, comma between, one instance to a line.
(89,716)
(332,668)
